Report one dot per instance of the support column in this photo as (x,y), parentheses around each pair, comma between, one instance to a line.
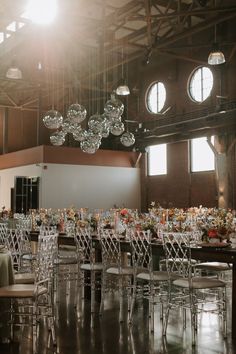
(224,166)
(5,131)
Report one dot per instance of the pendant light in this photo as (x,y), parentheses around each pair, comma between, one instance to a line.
(216,56)
(123,88)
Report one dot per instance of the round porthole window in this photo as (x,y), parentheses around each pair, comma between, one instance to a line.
(200,84)
(156,97)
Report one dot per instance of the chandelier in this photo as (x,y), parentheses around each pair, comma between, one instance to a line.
(99,125)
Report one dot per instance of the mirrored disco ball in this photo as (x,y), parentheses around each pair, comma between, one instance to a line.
(69,127)
(113,108)
(76,113)
(88,147)
(97,123)
(80,134)
(53,119)
(105,132)
(57,138)
(94,138)
(127,139)
(111,120)
(117,128)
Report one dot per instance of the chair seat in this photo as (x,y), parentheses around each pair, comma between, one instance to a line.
(66,260)
(199,283)
(21,291)
(24,278)
(67,248)
(155,276)
(214,266)
(29,256)
(93,267)
(120,271)
(178,260)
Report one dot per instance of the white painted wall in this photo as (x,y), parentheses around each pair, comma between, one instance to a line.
(90,186)
(82,186)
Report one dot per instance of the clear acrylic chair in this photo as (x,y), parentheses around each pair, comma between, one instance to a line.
(116,274)
(191,292)
(65,267)
(89,269)
(148,283)
(3,230)
(32,302)
(18,243)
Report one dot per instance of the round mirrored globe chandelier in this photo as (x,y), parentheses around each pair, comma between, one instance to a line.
(98,125)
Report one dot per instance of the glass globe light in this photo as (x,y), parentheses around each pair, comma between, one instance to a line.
(113,108)
(53,119)
(97,123)
(88,147)
(70,127)
(76,113)
(57,138)
(127,139)
(105,132)
(93,138)
(117,128)
(111,120)
(80,134)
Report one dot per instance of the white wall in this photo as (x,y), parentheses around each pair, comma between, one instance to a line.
(90,186)
(82,186)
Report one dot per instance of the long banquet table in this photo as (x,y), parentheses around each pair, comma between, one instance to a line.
(226,255)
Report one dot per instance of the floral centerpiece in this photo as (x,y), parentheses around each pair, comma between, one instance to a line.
(218,225)
(5,213)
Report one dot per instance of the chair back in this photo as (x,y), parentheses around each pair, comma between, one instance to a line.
(178,253)
(16,241)
(3,232)
(24,223)
(47,253)
(70,228)
(84,246)
(47,230)
(141,249)
(110,244)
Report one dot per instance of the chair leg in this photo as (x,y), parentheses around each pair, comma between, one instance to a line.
(11,320)
(167,312)
(121,296)
(103,291)
(151,306)
(132,300)
(92,275)
(193,309)
(224,313)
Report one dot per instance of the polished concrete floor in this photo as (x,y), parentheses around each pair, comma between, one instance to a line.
(80,333)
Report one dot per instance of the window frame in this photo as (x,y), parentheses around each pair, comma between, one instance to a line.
(147,99)
(189,89)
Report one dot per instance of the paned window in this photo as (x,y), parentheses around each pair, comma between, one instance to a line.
(202,156)
(156,97)
(157,160)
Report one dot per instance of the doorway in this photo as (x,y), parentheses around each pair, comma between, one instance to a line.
(26,194)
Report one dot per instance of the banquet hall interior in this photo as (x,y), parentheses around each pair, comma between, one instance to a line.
(117,140)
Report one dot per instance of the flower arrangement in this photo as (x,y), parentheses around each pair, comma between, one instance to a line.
(5,213)
(126,216)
